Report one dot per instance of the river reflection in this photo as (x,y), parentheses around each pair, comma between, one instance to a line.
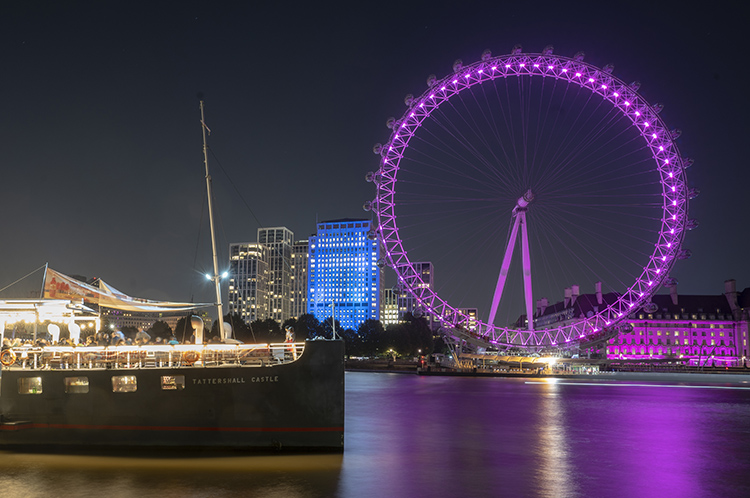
(447,436)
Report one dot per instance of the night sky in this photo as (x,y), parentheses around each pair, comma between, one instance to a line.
(102,167)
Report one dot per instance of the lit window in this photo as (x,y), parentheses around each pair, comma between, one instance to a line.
(76,385)
(124,384)
(30,385)
(173,382)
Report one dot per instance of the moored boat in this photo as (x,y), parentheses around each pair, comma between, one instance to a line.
(213,396)
(218,395)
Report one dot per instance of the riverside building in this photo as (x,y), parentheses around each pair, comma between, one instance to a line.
(705,330)
(699,330)
(299,277)
(279,241)
(407,303)
(390,308)
(248,280)
(344,272)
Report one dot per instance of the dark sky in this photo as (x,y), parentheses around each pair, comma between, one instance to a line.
(102,170)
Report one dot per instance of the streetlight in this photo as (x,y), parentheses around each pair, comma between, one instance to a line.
(333,319)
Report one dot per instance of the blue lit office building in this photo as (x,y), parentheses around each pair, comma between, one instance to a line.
(343,270)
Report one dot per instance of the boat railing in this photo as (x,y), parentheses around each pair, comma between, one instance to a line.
(150,356)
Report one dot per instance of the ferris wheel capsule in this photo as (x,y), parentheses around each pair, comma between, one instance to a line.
(693,193)
(608,68)
(579,56)
(685,254)
(409,99)
(380,263)
(548,50)
(687,162)
(657,108)
(670,282)
(377,148)
(634,85)
(517,49)
(390,122)
(458,64)
(650,307)
(372,235)
(369,176)
(692,224)
(431,79)
(487,55)
(367,206)
(675,133)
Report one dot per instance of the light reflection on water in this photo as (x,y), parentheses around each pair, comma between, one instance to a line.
(446,436)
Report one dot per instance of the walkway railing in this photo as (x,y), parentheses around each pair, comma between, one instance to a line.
(150,356)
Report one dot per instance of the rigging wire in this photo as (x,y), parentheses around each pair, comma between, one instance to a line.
(22,278)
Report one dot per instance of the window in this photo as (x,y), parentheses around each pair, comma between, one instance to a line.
(76,385)
(124,384)
(173,382)
(30,385)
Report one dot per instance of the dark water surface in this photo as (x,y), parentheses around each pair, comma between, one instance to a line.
(447,436)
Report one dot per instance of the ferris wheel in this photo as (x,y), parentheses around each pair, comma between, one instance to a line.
(539,158)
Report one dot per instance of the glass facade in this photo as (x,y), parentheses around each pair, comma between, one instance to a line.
(343,270)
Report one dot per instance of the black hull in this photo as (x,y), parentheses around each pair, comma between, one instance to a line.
(298,405)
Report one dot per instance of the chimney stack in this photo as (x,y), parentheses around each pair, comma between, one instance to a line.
(568,296)
(599,297)
(673,294)
(730,292)
(575,292)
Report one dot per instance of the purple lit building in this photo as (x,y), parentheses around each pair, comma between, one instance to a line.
(707,330)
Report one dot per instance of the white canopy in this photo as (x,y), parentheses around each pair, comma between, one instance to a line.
(60,286)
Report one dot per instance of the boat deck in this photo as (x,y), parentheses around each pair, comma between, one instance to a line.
(150,356)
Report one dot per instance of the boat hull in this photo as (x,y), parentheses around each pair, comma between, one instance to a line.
(297,405)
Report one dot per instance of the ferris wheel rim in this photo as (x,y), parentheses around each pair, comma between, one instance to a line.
(642,115)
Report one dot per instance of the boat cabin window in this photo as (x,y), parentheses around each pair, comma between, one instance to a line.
(173,382)
(30,385)
(76,385)
(124,384)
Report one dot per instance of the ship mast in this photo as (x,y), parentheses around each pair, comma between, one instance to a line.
(216,277)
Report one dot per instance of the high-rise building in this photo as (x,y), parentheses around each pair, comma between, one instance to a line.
(279,242)
(408,303)
(390,308)
(299,277)
(343,270)
(248,280)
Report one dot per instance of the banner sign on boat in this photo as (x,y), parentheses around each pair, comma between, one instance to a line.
(60,286)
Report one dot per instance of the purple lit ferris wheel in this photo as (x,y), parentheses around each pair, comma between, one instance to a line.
(520,176)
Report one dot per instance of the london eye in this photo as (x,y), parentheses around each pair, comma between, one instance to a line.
(522,175)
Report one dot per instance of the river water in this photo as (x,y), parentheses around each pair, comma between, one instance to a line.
(415,436)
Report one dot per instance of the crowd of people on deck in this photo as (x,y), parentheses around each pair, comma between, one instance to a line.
(101,338)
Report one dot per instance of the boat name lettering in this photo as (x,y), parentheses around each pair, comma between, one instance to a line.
(236,380)
(220,380)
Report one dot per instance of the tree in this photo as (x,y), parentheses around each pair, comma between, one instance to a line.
(267,330)
(307,327)
(327,328)
(371,337)
(160,329)
(183,329)
(352,343)
(129,331)
(240,329)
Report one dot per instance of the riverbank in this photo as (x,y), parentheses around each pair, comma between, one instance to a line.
(707,376)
